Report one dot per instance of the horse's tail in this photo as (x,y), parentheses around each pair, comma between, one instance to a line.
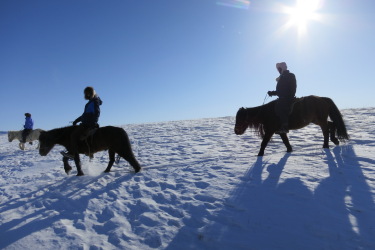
(336,117)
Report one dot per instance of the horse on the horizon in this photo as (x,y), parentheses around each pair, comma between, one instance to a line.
(306,110)
(113,139)
(32,136)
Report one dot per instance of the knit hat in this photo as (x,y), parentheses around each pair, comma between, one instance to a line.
(281,65)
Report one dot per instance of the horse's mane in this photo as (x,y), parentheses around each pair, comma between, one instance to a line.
(58,132)
(258,114)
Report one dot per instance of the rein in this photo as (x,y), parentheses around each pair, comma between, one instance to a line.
(265,98)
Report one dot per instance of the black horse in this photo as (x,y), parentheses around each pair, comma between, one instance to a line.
(306,110)
(113,139)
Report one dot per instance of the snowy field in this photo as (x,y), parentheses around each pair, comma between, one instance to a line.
(201,187)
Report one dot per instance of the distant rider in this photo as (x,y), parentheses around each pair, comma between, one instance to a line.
(286,90)
(28,127)
(89,120)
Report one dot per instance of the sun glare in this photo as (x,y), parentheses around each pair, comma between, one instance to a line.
(303,12)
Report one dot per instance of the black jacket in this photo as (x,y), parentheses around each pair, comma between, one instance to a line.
(286,86)
(91,113)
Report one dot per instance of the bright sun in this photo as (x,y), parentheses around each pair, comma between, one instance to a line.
(303,12)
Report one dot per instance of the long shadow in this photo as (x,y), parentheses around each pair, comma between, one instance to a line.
(359,197)
(67,199)
(266,214)
(330,197)
(250,195)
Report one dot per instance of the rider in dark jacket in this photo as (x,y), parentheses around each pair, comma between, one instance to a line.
(89,120)
(286,90)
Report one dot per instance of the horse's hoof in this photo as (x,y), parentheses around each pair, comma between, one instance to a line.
(67,170)
(107,171)
(336,142)
(260,154)
(80,174)
(289,151)
(325,146)
(136,170)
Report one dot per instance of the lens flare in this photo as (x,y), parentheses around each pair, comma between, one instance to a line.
(239,4)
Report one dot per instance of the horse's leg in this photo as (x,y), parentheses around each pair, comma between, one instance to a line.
(325,131)
(129,157)
(77,161)
(285,139)
(111,155)
(21,145)
(67,167)
(332,133)
(263,145)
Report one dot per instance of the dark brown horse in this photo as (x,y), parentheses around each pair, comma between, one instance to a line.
(306,110)
(113,139)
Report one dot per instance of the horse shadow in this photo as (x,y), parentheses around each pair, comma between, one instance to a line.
(262,213)
(235,207)
(356,195)
(43,208)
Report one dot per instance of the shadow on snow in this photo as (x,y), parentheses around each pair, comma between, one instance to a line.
(68,199)
(263,214)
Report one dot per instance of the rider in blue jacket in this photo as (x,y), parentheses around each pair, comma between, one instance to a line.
(89,120)
(28,127)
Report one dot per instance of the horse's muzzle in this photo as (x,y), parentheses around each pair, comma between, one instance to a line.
(239,130)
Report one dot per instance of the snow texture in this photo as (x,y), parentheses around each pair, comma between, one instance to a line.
(201,187)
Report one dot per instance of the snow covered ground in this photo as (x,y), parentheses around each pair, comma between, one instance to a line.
(201,187)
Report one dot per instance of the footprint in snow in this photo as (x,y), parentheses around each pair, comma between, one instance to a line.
(201,184)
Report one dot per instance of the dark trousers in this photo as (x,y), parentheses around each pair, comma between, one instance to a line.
(76,136)
(25,133)
(283,109)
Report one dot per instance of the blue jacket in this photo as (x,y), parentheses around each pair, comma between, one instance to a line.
(28,123)
(91,113)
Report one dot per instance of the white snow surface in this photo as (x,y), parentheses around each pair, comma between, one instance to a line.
(201,187)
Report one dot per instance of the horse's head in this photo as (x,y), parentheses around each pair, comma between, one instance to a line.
(10,136)
(46,143)
(241,122)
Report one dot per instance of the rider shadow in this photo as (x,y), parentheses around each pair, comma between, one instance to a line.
(252,198)
(262,213)
(346,192)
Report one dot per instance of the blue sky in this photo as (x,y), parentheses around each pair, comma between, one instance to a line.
(162,60)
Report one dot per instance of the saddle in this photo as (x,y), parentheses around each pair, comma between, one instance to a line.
(89,133)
